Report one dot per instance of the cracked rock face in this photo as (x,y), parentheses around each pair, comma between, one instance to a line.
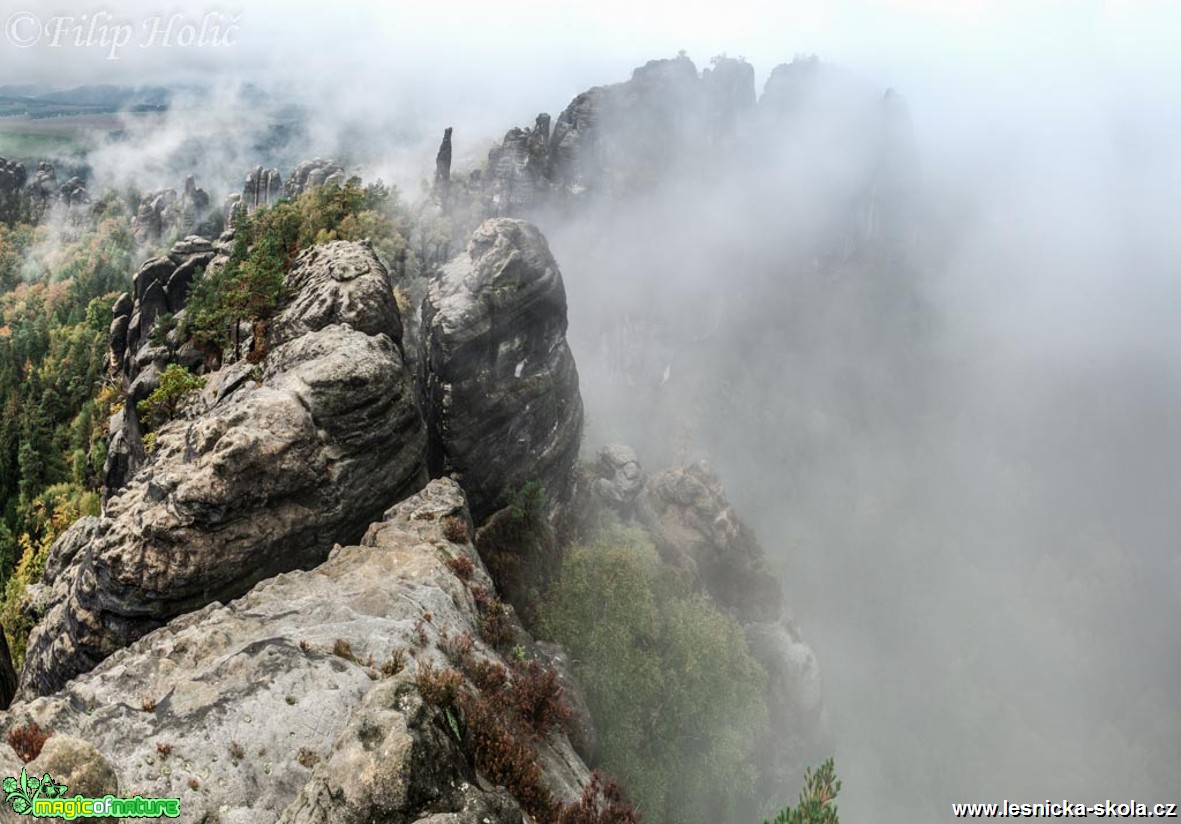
(272,466)
(501,388)
(271,705)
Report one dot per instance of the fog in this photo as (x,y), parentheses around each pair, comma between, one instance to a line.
(961,456)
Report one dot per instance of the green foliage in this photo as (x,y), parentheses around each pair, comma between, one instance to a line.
(160,329)
(816,800)
(45,518)
(676,696)
(249,288)
(529,502)
(177,386)
(56,292)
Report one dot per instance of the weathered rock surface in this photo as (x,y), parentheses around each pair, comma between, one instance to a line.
(695,527)
(622,138)
(166,211)
(443,167)
(501,388)
(277,707)
(618,478)
(316,172)
(273,466)
(338,282)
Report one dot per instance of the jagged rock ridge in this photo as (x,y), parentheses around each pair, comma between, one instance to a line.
(274,465)
(268,709)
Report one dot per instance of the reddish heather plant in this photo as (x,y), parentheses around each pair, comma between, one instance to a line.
(496,628)
(505,756)
(488,676)
(440,688)
(462,566)
(28,740)
(601,803)
(455,529)
(460,647)
(537,697)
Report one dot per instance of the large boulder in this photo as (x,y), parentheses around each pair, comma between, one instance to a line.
(501,388)
(337,282)
(273,465)
(299,702)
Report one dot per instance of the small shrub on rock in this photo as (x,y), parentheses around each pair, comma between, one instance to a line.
(439,688)
(537,697)
(27,740)
(602,802)
(462,566)
(496,627)
(177,386)
(455,529)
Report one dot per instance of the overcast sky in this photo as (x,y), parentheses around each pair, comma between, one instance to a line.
(524,49)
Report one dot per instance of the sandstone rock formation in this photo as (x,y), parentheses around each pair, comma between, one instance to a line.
(316,172)
(298,701)
(695,527)
(500,385)
(273,466)
(165,212)
(264,187)
(13,177)
(618,478)
(25,197)
(622,138)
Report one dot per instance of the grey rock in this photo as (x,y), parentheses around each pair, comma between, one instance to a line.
(619,478)
(189,246)
(156,270)
(500,384)
(311,173)
(124,305)
(443,164)
(258,481)
(181,280)
(73,192)
(270,703)
(337,282)
(13,177)
(118,338)
(518,169)
(686,511)
(152,305)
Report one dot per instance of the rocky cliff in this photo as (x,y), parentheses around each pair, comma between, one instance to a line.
(303,700)
(274,465)
(500,386)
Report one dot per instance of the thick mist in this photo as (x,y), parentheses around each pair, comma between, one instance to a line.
(960,454)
